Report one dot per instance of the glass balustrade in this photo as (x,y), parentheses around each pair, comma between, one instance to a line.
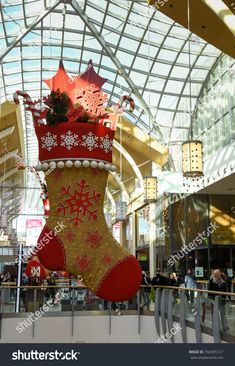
(205,311)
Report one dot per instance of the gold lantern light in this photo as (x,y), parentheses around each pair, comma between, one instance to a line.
(150,181)
(192,158)
(192,150)
(150,189)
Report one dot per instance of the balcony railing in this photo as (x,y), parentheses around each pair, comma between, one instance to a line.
(207,312)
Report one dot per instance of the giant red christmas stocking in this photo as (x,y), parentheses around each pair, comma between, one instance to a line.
(76,238)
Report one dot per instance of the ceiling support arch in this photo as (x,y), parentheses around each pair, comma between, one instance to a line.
(122,186)
(117,63)
(131,161)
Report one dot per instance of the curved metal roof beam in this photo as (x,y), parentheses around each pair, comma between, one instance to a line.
(223,12)
(131,161)
(117,63)
(122,186)
(111,199)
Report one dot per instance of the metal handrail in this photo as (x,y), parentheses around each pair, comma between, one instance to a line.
(43,286)
(194,289)
(219,293)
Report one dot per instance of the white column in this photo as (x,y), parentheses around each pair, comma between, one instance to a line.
(152,240)
(134,234)
(123,233)
(160,235)
(19,279)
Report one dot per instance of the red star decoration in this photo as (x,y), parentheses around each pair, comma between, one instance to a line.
(107,260)
(90,77)
(61,80)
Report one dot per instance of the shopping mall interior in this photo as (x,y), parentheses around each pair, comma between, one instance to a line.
(117,171)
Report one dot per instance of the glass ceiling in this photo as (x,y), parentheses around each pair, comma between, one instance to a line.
(139,50)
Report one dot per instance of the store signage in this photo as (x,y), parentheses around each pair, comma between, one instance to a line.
(199,272)
(33,223)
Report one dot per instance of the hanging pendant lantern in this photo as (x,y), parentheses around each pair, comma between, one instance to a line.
(121,210)
(150,189)
(192,158)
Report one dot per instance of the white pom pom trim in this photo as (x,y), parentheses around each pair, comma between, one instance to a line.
(77,164)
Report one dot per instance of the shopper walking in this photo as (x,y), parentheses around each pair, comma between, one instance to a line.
(228,281)
(174,281)
(159,280)
(189,282)
(52,290)
(145,291)
(217,284)
(24,291)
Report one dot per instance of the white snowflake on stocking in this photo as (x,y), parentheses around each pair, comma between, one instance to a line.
(69,140)
(106,144)
(90,141)
(49,141)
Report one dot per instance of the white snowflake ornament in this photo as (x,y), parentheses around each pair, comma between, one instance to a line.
(106,144)
(69,140)
(49,141)
(90,141)
(92,99)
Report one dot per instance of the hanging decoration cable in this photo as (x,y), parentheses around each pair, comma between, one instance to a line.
(3,214)
(121,205)
(149,102)
(63,28)
(192,155)
(150,182)
(189,77)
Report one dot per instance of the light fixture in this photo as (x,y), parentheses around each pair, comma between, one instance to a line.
(150,182)
(192,150)
(192,158)
(121,210)
(150,189)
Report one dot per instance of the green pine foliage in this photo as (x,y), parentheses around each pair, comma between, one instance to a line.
(59,105)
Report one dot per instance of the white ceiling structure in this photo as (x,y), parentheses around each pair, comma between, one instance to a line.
(139,50)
